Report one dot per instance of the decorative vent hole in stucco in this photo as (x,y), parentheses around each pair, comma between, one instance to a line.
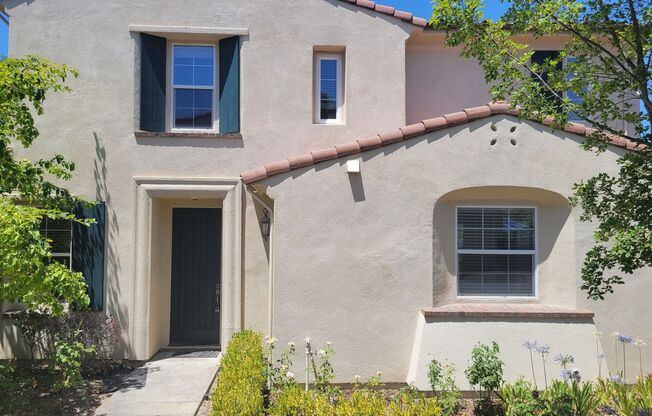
(493,142)
(513,129)
(513,142)
(494,128)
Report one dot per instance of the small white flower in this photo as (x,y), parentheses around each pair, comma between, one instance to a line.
(615,334)
(271,340)
(379,373)
(307,340)
(639,342)
(290,374)
(329,343)
(321,352)
(356,378)
(291,344)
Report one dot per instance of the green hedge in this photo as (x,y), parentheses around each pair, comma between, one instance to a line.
(241,379)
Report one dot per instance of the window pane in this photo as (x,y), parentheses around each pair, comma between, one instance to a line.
(328,92)
(521,218)
(194,65)
(203,118)
(495,274)
(193,108)
(183,75)
(183,118)
(203,99)
(521,240)
(184,98)
(203,55)
(469,217)
(203,76)
(495,240)
(470,274)
(183,55)
(521,275)
(496,218)
(328,110)
(59,232)
(469,238)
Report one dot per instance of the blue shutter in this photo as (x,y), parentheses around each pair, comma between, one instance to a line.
(88,251)
(230,85)
(152,82)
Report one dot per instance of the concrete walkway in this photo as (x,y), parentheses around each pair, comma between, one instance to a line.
(173,383)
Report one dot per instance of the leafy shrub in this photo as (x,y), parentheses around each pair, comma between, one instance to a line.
(442,381)
(486,369)
(626,400)
(14,388)
(66,363)
(241,380)
(324,372)
(518,399)
(95,330)
(363,402)
(413,404)
(294,401)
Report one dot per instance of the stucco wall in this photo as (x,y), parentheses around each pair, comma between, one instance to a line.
(94,126)
(358,256)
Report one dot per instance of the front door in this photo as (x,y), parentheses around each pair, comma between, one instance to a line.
(196,263)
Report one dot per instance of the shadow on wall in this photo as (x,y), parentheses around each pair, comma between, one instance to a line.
(112,289)
(553,212)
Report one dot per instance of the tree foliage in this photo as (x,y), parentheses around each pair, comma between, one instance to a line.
(604,60)
(28,192)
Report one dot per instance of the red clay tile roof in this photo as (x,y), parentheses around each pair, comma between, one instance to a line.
(389,10)
(438,123)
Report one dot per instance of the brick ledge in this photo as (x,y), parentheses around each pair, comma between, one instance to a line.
(502,310)
(188,135)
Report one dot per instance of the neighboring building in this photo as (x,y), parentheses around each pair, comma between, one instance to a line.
(425,239)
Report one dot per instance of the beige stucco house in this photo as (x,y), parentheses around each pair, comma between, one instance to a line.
(322,169)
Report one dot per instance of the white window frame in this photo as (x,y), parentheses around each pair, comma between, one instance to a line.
(535,271)
(214,88)
(55,255)
(319,57)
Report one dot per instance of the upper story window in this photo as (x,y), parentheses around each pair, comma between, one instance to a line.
(189,87)
(572,96)
(329,89)
(496,251)
(193,87)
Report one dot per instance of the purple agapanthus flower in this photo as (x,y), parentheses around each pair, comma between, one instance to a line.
(565,375)
(608,410)
(617,379)
(564,359)
(542,349)
(530,344)
(625,339)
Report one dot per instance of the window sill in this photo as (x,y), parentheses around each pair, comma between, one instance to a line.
(188,135)
(506,310)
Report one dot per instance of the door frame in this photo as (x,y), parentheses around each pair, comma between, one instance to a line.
(148,189)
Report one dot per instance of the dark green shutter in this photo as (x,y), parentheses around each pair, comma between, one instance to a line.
(540,57)
(152,82)
(88,251)
(230,85)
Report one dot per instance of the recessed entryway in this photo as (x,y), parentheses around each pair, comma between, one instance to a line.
(195,276)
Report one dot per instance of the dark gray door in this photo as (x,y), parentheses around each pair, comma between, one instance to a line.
(196,261)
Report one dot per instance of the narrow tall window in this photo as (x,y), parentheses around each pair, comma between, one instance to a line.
(329,89)
(572,96)
(193,87)
(496,251)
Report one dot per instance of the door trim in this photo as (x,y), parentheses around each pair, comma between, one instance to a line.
(230,191)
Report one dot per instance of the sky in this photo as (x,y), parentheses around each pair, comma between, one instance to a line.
(4,33)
